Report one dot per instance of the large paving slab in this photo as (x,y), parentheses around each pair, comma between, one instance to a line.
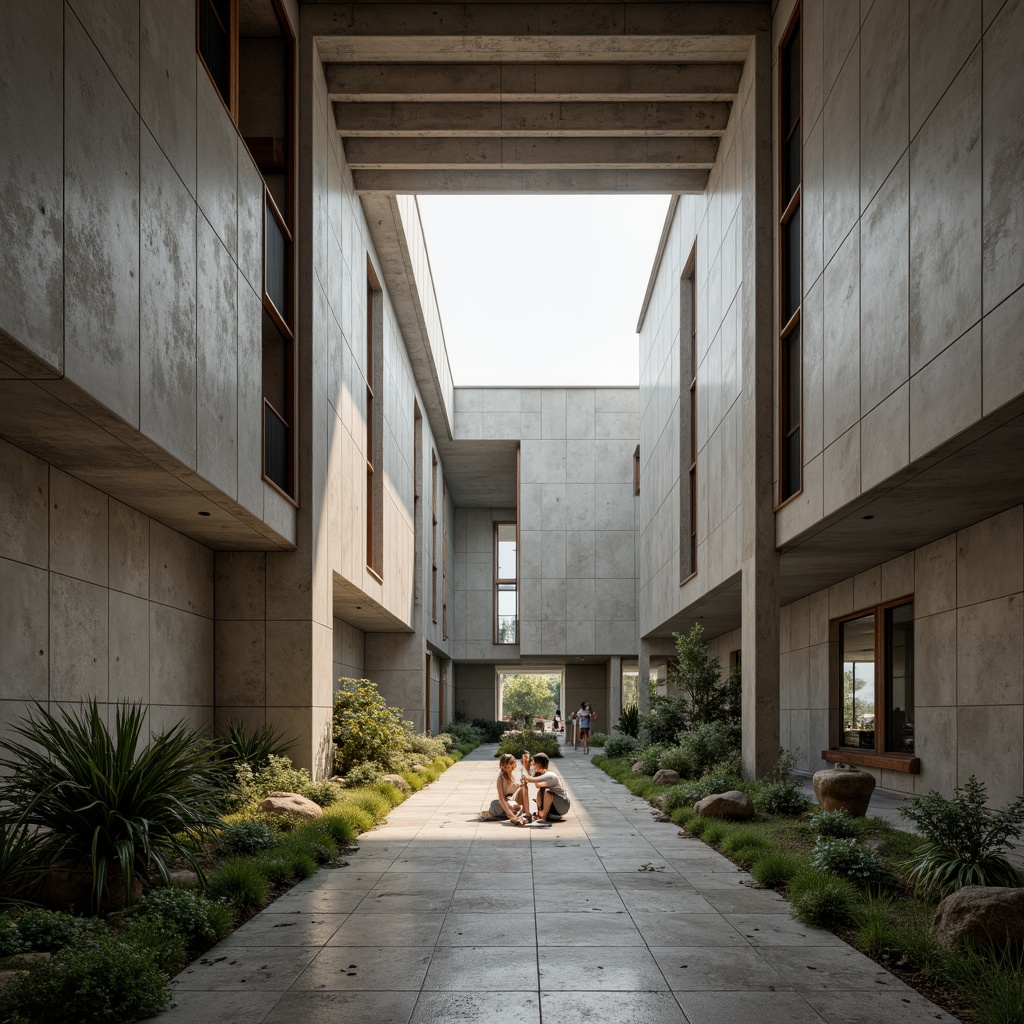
(608,916)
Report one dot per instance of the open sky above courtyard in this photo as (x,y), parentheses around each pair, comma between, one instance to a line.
(542,290)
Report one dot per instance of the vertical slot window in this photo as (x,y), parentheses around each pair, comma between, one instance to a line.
(433,537)
(506,584)
(688,419)
(374,371)
(444,559)
(790,262)
(216,32)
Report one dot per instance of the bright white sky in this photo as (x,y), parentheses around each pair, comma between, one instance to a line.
(542,290)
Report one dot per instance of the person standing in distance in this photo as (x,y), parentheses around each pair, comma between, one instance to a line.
(583,719)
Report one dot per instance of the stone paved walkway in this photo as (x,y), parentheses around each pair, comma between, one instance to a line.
(609,917)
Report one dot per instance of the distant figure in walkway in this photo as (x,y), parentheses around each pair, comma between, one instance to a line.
(556,722)
(513,797)
(552,799)
(583,719)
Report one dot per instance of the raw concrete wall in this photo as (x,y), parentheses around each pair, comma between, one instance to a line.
(968,650)
(97,601)
(474,691)
(913,241)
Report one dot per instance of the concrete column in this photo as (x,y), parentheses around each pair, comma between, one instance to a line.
(614,693)
(760,565)
(644,665)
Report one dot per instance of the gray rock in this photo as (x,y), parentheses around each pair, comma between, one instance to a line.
(397,781)
(665,777)
(638,767)
(732,804)
(291,805)
(184,879)
(980,915)
(844,789)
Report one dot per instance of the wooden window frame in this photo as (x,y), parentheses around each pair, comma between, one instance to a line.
(433,536)
(231,102)
(899,761)
(688,409)
(789,206)
(374,425)
(444,558)
(500,581)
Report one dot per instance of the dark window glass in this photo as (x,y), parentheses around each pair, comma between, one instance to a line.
(790,166)
(899,679)
(791,464)
(791,383)
(791,266)
(857,642)
(215,43)
(791,81)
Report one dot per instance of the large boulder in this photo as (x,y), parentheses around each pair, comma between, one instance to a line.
(844,789)
(638,767)
(732,804)
(981,915)
(398,782)
(291,805)
(665,777)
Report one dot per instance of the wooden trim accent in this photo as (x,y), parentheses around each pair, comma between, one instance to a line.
(894,762)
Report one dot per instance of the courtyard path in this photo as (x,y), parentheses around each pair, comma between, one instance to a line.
(609,916)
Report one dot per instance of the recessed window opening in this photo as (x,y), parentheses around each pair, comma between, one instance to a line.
(433,537)
(529,698)
(374,380)
(506,584)
(688,418)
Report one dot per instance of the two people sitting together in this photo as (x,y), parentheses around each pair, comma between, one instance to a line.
(514,794)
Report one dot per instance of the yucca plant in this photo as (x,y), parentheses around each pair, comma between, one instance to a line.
(629,721)
(111,800)
(964,842)
(254,747)
(19,867)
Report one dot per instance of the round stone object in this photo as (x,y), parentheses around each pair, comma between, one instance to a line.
(844,789)
(982,915)
(291,805)
(665,777)
(733,804)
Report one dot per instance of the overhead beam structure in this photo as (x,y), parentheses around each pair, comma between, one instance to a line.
(533,97)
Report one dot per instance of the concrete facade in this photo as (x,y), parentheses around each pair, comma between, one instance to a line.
(143,552)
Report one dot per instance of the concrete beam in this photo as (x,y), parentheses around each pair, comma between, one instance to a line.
(511,182)
(529,154)
(523,119)
(395,83)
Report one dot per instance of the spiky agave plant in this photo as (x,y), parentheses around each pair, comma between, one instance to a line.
(112,799)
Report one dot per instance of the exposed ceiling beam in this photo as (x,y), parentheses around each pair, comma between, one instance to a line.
(394,83)
(641,181)
(523,119)
(525,154)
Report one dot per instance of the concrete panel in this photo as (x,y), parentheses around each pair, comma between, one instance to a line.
(167,355)
(945,397)
(989,745)
(942,35)
(113,26)
(167,81)
(990,652)
(841,349)
(580,637)
(78,640)
(553,507)
(128,550)
(24,490)
(884,94)
(1003,353)
(553,414)
(885,278)
(945,237)
(579,414)
(842,470)
(614,554)
(553,554)
(32,211)
(579,600)
(240,585)
(24,614)
(78,529)
(842,155)
(553,636)
(990,558)
(216,162)
(867,588)
(1003,156)
(240,659)
(217,360)
(579,506)
(180,657)
(181,572)
(614,601)
(580,557)
(251,207)
(128,648)
(623,426)
(898,577)
(841,24)
(813,322)
(250,400)
(614,506)
(289,656)
(935,577)
(935,738)
(101,229)
(885,438)
(582,461)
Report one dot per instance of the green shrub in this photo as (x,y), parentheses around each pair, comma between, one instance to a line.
(428,746)
(160,938)
(537,743)
(242,744)
(714,831)
(323,793)
(650,757)
(316,840)
(20,846)
(847,858)
(365,774)
(276,865)
(834,825)
(101,979)
(686,794)
(820,898)
(198,919)
(354,817)
(370,801)
(743,841)
(490,729)
(46,931)
(241,883)
(697,824)
(11,941)
(248,837)
(782,796)
(702,748)
(278,775)
(116,800)
(415,782)
(873,925)
(774,868)
(598,739)
(621,746)
(366,727)
(682,815)
(993,983)
(463,732)
(964,842)
(666,720)
(629,721)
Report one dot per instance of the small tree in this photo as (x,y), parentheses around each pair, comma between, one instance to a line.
(527,697)
(366,727)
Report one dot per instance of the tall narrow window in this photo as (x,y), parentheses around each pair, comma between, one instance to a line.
(688,419)
(374,433)
(790,261)
(444,559)
(216,36)
(426,696)
(506,584)
(433,537)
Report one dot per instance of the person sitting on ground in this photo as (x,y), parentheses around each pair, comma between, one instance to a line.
(583,719)
(552,799)
(513,797)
